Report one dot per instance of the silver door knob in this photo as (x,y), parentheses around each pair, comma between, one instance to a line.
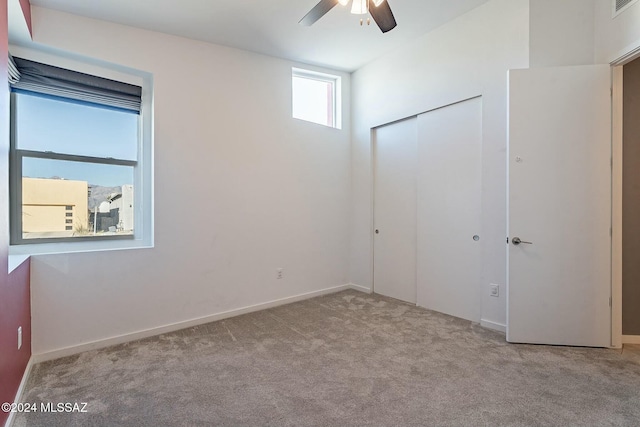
(517,241)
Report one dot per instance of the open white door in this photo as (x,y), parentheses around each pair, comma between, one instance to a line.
(559,162)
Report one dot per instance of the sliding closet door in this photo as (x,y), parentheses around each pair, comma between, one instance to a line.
(449,209)
(394,272)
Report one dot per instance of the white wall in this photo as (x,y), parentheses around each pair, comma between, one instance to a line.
(561,32)
(467,57)
(615,37)
(241,189)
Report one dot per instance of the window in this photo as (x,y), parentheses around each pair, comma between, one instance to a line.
(316,97)
(74,157)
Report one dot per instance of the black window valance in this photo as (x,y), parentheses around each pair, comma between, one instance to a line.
(49,80)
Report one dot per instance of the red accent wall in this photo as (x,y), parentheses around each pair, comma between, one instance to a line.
(15,298)
(15,311)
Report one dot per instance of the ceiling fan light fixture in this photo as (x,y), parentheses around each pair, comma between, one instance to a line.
(380,13)
(360,7)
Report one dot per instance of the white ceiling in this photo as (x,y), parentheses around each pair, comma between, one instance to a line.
(271,26)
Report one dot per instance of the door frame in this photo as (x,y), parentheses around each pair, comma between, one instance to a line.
(617,91)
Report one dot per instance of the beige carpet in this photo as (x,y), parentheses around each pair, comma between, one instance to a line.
(347,359)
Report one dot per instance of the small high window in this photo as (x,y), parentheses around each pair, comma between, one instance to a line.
(316,97)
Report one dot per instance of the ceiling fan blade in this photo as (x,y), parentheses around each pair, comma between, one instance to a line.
(318,12)
(383,16)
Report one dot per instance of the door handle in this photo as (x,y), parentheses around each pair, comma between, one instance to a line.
(377,231)
(516,241)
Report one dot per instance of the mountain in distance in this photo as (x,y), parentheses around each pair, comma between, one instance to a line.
(99,194)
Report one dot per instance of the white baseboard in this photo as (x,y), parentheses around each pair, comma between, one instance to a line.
(359,288)
(18,398)
(493,325)
(631,339)
(94,345)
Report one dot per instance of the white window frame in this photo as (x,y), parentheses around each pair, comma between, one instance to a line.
(143,169)
(335,81)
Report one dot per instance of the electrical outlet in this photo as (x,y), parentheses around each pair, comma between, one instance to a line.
(279,273)
(494,290)
(19,337)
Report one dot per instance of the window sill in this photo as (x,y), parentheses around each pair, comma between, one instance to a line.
(19,253)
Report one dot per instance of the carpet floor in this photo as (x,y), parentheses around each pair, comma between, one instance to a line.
(346,359)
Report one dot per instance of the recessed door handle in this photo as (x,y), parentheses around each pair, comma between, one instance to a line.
(516,241)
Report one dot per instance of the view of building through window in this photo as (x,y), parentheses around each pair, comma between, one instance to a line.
(77,168)
(57,207)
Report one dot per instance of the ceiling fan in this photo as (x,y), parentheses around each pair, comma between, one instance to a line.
(378,9)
